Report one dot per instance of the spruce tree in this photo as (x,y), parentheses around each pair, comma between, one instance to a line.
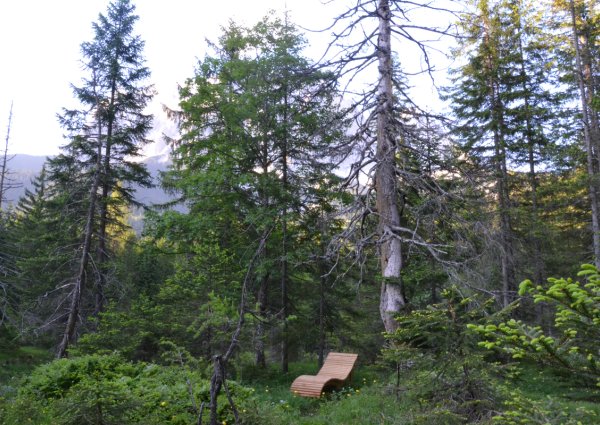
(105,136)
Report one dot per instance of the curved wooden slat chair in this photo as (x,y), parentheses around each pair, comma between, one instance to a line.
(336,370)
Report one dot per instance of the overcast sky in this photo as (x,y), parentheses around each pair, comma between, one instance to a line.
(40,53)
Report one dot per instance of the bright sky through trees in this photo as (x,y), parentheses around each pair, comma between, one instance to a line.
(40,54)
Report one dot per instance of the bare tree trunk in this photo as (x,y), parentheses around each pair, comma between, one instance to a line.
(392,299)
(5,159)
(218,379)
(590,144)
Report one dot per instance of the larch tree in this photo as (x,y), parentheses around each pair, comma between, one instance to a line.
(105,136)
(258,123)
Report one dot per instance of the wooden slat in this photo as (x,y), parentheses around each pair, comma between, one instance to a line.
(335,371)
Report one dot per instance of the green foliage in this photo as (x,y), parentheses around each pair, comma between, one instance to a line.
(577,318)
(520,410)
(451,380)
(108,390)
(18,361)
(203,287)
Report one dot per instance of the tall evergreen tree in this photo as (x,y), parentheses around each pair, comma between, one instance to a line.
(505,107)
(584,22)
(105,136)
(258,124)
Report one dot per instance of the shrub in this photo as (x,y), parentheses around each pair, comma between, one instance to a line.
(577,320)
(453,383)
(105,389)
(572,347)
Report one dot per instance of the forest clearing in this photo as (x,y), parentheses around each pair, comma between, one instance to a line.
(337,247)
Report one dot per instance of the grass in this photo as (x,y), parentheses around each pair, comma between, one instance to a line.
(363,401)
(544,384)
(371,398)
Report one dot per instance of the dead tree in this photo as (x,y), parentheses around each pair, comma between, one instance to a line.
(81,276)
(219,378)
(386,120)
(6,183)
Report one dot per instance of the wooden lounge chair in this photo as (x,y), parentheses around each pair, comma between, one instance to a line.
(336,370)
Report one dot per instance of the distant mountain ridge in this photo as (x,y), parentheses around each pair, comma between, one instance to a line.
(24,168)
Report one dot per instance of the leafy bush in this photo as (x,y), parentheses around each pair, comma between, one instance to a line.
(577,319)
(572,347)
(452,381)
(105,389)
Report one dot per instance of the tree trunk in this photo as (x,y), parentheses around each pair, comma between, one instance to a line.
(284,231)
(500,170)
(260,326)
(590,144)
(74,306)
(322,284)
(503,193)
(216,382)
(102,254)
(321,348)
(390,249)
(506,240)
(535,228)
(263,290)
(4,169)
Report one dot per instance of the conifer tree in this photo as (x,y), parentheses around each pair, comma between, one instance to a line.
(500,101)
(258,124)
(585,29)
(105,136)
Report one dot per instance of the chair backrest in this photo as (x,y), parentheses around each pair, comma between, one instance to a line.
(338,365)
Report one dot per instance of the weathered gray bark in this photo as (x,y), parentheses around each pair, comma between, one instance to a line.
(219,377)
(386,183)
(5,181)
(4,170)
